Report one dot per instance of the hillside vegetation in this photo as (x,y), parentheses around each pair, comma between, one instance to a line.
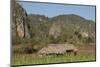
(63,28)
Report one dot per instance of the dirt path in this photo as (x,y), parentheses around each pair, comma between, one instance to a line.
(87,49)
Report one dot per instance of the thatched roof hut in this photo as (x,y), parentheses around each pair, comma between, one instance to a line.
(57,49)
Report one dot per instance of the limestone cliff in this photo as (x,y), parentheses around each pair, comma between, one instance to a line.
(19,23)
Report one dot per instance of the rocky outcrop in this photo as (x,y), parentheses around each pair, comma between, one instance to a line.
(19,23)
(55,30)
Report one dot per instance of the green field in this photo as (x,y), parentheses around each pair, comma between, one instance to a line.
(19,57)
(25,59)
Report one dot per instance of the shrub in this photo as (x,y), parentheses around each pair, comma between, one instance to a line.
(16,40)
(25,49)
(29,48)
(88,40)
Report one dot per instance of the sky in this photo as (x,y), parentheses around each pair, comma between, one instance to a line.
(51,9)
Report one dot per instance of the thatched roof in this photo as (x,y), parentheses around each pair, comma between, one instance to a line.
(57,48)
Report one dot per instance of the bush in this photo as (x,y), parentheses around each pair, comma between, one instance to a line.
(25,49)
(29,48)
(88,40)
(16,40)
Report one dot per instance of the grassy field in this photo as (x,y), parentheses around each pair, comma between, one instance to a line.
(86,53)
(30,59)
